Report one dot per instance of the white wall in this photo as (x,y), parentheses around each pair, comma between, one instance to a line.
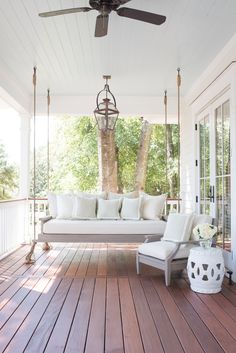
(187,173)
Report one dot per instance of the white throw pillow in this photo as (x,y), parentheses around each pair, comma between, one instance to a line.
(152,206)
(84,207)
(108,209)
(64,206)
(131,208)
(114,195)
(101,195)
(178,227)
(52,204)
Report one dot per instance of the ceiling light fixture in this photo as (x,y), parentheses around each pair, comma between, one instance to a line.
(106,113)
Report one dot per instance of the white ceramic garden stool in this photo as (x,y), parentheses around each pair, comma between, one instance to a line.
(205,269)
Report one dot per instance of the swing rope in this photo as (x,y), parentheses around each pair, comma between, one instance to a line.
(48,136)
(178,98)
(166,161)
(29,259)
(34,151)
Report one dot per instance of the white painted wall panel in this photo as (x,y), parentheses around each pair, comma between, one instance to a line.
(13,224)
(187,151)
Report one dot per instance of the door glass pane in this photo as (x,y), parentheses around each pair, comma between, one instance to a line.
(207,199)
(202,146)
(227,213)
(219,138)
(226,137)
(219,210)
(223,178)
(207,148)
(204,151)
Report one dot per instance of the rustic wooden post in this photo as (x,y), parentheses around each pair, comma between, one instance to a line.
(142,158)
(107,157)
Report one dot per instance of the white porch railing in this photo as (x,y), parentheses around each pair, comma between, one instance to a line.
(172,205)
(41,205)
(13,224)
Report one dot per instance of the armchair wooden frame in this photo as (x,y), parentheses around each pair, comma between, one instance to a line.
(170,263)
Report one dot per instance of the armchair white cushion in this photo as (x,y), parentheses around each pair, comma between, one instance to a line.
(172,251)
(163,249)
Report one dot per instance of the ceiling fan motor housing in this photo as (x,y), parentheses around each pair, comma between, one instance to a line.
(104,6)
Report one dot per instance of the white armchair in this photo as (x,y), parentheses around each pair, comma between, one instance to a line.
(172,251)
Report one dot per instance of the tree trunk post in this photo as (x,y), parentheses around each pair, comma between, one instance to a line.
(142,158)
(107,157)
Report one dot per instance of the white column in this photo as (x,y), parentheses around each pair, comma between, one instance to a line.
(24,156)
(187,160)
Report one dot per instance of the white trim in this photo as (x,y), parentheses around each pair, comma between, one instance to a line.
(223,61)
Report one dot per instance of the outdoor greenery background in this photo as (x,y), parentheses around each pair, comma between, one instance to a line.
(74,157)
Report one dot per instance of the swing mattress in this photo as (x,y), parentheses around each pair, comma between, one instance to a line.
(59,230)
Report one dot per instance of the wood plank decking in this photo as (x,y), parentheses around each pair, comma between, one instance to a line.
(87,298)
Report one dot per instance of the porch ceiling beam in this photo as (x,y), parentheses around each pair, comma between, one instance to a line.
(151,108)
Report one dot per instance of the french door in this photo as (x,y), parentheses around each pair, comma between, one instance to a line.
(215,168)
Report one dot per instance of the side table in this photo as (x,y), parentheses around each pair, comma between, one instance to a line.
(205,269)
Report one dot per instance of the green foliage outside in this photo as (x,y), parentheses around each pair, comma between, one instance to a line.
(156,181)
(74,157)
(8,176)
(127,141)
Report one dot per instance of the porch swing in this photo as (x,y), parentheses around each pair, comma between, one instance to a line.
(65,237)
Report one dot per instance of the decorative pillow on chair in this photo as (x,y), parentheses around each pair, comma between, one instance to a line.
(178,227)
(84,208)
(64,206)
(152,206)
(108,209)
(131,208)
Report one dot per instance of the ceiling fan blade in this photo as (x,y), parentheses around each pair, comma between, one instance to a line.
(141,15)
(122,2)
(101,25)
(65,11)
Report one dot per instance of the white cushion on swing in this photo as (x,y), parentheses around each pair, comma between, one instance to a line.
(64,206)
(52,204)
(84,208)
(152,206)
(110,227)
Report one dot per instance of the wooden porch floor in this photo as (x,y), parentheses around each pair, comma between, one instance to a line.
(87,298)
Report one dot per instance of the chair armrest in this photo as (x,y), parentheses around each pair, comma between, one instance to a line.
(183,242)
(177,246)
(45,219)
(152,238)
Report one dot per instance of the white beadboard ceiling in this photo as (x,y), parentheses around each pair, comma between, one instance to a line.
(142,58)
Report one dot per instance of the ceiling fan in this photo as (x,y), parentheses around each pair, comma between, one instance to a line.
(104,7)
